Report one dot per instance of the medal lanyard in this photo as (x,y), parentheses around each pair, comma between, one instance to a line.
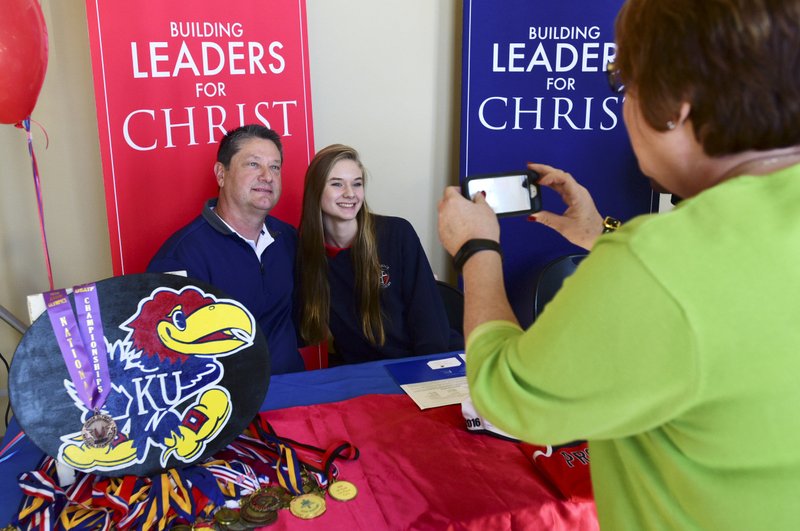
(317,460)
(80,518)
(81,342)
(233,474)
(94,502)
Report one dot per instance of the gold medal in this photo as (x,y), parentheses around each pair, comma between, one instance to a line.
(307,506)
(99,431)
(225,516)
(342,490)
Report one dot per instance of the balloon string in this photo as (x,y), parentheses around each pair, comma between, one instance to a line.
(46,136)
(27,123)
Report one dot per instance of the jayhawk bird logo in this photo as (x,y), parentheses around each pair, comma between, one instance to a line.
(165,373)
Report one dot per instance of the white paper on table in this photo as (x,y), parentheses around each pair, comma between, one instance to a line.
(438,393)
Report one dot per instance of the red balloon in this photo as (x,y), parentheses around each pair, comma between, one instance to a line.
(23,58)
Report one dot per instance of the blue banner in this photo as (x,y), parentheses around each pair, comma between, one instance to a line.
(534,89)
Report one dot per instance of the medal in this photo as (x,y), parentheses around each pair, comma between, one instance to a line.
(309,487)
(284,497)
(342,490)
(83,348)
(260,508)
(259,518)
(99,431)
(225,516)
(238,525)
(264,501)
(307,506)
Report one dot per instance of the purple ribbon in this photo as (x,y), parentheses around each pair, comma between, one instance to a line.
(39,203)
(81,342)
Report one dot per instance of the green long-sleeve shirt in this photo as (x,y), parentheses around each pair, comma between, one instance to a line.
(675,350)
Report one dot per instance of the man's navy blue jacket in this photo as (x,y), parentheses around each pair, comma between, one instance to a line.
(209,251)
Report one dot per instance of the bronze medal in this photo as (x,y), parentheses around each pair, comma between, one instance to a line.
(284,497)
(99,431)
(258,518)
(307,506)
(248,514)
(257,508)
(270,518)
(342,490)
(264,501)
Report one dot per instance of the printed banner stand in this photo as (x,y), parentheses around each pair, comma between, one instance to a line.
(170,79)
(535,90)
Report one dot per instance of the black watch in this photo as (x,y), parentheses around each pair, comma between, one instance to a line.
(473,246)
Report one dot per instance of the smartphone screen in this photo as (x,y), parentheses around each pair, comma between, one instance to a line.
(510,193)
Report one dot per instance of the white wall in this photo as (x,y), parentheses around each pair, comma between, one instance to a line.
(385,79)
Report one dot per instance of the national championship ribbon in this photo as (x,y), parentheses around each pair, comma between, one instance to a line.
(83,347)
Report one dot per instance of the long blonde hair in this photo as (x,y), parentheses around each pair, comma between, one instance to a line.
(312,263)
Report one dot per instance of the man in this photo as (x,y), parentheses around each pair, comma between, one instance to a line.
(235,245)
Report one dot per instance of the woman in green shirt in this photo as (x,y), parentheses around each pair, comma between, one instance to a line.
(674,347)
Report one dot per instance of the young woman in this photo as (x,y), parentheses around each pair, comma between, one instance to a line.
(365,281)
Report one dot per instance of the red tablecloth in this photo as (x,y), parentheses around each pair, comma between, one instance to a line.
(423,470)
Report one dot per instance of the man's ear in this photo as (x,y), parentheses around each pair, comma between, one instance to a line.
(219,172)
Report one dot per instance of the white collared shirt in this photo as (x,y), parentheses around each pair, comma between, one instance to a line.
(259,245)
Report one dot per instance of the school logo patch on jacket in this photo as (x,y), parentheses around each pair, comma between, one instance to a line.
(386,280)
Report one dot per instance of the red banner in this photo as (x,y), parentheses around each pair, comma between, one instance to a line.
(170,79)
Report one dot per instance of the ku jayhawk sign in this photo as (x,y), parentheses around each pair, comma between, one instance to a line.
(183,371)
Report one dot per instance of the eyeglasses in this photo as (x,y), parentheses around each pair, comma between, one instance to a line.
(615,82)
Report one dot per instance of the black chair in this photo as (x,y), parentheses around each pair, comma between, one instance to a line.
(551,278)
(453,299)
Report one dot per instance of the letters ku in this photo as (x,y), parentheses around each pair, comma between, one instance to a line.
(165,373)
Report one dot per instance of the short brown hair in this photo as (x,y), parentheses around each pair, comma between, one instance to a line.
(737,62)
(232,142)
